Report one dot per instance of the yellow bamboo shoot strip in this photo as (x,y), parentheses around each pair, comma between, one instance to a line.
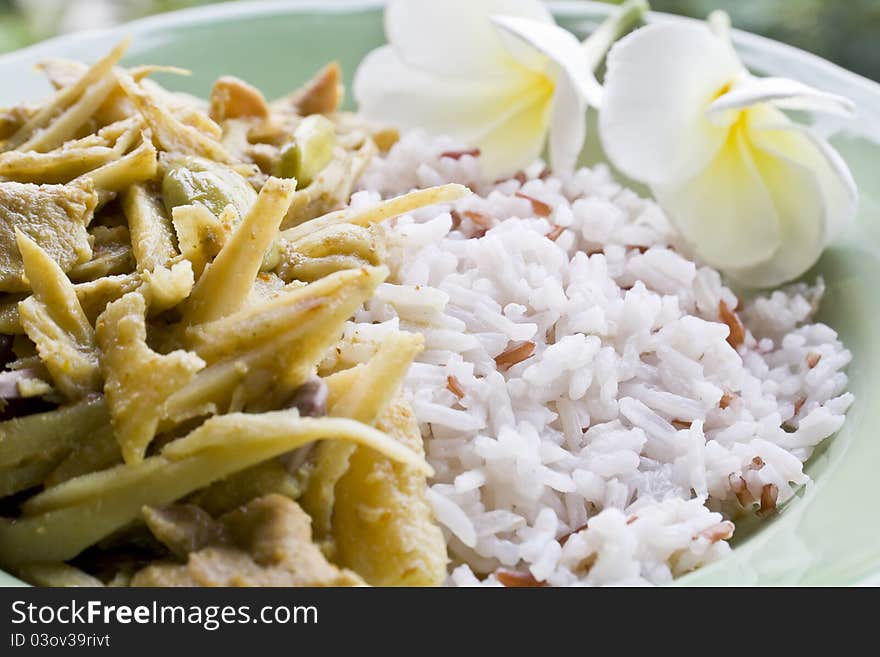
(304,269)
(152,238)
(10,323)
(122,133)
(300,361)
(138,380)
(340,382)
(333,186)
(225,284)
(126,138)
(57,575)
(62,521)
(376,385)
(58,166)
(27,475)
(53,289)
(256,325)
(291,355)
(200,234)
(385,372)
(44,434)
(344,239)
(93,297)
(111,255)
(240,488)
(33,446)
(63,103)
(74,158)
(54,319)
(96,451)
(170,134)
(137,166)
(65,126)
(63,72)
(385,210)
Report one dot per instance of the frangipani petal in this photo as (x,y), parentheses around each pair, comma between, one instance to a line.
(561,47)
(568,126)
(611,29)
(837,183)
(471,46)
(788,94)
(753,193)
(775,134)
(519,137)
(801,211)
(388,90)
(659,81)
(726,212)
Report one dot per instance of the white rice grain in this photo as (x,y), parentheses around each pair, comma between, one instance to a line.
(612,452)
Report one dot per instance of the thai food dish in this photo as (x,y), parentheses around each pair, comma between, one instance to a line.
(253,343)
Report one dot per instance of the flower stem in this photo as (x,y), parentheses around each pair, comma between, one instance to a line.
(612,28)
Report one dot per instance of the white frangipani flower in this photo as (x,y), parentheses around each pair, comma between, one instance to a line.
(497,74)
(753,193)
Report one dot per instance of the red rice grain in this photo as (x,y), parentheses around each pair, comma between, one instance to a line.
(517,579)
(457,155)
(507,359)
(540,208)
(737,334)
(454,386)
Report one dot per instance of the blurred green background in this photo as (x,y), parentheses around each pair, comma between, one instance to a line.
(844,31)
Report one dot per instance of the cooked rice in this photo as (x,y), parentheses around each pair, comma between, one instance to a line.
(587,417)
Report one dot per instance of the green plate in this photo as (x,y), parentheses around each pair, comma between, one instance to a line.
(831,535)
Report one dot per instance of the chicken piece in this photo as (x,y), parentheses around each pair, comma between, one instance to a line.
(383,526)
(184,528)
(55,216)
(268,542)
(232,98)
(320,95)
(166,287)
(241,487)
